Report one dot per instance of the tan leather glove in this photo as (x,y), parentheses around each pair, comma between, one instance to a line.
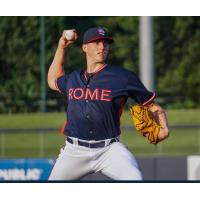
(148,120)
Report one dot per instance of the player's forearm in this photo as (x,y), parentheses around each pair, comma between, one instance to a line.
(56,69)
(161,118)
(163,133)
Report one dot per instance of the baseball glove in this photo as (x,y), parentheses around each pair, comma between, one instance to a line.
(146,120)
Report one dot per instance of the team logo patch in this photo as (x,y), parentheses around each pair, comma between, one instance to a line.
(101,31)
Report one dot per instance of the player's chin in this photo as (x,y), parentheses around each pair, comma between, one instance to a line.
(101,59)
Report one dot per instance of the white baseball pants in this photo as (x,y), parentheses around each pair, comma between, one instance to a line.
(114,160)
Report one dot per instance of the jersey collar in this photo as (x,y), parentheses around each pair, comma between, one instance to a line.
(86,75)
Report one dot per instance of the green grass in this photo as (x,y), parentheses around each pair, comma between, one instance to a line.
(189,117)
(32,144)
(33,120)
(46,120)
(180,143)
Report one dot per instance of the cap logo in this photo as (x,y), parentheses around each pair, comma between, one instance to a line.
(101,31)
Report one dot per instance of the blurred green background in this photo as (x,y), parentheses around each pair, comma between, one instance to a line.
(177,77)
(42,143)
(176,52)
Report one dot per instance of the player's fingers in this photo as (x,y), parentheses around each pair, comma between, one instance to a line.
(63,34)
(75,36)
(63,40)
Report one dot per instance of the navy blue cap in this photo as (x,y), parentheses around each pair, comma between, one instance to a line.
(96,33)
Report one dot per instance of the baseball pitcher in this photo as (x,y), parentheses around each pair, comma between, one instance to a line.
(96,96)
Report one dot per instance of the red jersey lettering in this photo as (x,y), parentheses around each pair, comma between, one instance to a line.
(97,94)
(105,95)
(92,96)
(71,93)
(78,93)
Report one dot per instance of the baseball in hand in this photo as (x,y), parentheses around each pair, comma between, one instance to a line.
(69,34)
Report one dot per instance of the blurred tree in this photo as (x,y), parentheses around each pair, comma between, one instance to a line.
(19,61)
(125,50)
(177,59)
(177,42)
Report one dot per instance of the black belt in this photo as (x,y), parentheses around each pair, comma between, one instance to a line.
(93,145)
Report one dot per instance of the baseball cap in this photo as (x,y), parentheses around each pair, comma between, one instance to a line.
(96,33)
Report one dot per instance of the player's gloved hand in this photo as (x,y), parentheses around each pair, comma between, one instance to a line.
(63,42)
(150,121)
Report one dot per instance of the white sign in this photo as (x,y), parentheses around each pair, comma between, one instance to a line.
(20,174)
(193,167)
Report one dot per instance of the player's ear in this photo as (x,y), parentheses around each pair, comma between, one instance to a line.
(84,47)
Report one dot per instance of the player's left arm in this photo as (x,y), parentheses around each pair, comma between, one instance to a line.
(157,131)
(161,118)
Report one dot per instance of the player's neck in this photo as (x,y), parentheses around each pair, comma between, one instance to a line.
(94,67)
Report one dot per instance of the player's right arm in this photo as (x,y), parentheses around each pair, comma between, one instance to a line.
(56,68)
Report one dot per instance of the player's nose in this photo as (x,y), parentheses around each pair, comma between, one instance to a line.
(102,44)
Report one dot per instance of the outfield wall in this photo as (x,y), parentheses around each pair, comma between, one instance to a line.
(153,168)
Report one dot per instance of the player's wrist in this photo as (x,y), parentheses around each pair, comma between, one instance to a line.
(63,43)
(61,47)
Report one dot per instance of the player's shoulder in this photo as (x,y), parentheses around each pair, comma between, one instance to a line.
(120,70)
(75,73)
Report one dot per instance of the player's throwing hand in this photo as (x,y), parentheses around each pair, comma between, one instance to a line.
(68,37)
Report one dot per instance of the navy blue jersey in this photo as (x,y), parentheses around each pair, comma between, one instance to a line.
(95,101)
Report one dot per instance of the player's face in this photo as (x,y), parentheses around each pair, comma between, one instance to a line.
(96,51)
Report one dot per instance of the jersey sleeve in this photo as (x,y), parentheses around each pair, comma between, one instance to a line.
(61,84)
(137,91)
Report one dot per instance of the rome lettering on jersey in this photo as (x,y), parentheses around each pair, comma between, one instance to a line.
(97,94)
(95,101)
